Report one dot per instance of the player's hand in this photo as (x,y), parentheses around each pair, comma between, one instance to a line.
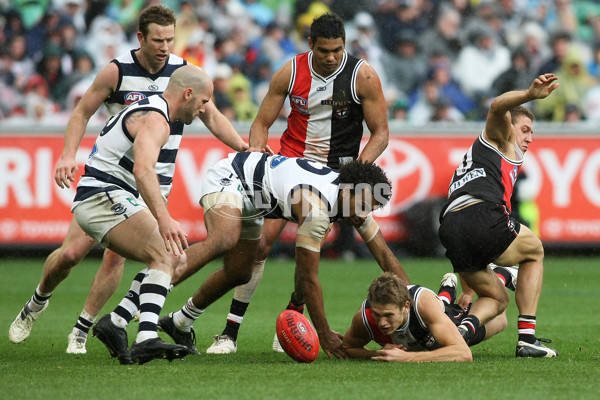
(331,343)
(174,236)
(391,355)
(543,85)
(65,171)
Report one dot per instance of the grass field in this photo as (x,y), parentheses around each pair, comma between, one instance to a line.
(569,313)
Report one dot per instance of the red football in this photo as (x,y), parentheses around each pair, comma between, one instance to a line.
(297,336)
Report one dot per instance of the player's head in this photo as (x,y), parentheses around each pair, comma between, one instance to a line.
(191,88)
(390,302)
(155,14)
(156,34)
(364,187)
(327,26)
(522,119)
(327,41)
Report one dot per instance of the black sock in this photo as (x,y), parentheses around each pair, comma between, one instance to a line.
(506,276)
(235,317)
(479,336)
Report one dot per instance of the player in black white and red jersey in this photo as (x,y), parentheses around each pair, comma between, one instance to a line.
(411,323)
(476,225)
(331,94)
(128,78)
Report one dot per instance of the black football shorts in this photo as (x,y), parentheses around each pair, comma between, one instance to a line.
(477,235)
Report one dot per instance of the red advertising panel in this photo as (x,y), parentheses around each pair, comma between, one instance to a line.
(563,177)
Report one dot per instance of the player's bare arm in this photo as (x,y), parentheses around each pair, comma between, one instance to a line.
(498,127)
(151,131)
(103,86)
(374,108)
(356,338)
(313,222)
(222,128)
(270,108)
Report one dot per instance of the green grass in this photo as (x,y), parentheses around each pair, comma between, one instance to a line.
(569,313)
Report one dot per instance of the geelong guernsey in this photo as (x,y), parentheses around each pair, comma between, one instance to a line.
(110,164)
(326,119)
(484,174)
(270,181)
(136,83)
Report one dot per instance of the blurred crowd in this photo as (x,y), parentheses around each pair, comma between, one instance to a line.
(438,60)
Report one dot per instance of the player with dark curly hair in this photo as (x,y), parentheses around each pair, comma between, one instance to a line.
(239,192)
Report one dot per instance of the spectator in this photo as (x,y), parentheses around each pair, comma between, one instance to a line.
(559,45)
(50,68)
(406,16)
(19,66)
(405,66)
(37,103)
(441,73)
(445,37)
(481,62)
(428,105)
(83,68)
(518,76)
(221,76)
(398,110)
(535,44)
(575,82)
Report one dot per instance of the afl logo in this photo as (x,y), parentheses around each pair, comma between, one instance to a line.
(154,88)
(300,103)
(133,97)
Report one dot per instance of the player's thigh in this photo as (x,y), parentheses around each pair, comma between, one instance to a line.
(223,226)
(138,238)
(77,242)
(526,246)
(271,230)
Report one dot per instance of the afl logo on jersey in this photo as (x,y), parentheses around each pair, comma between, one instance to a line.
(154,88)
(133,97)
(300,103)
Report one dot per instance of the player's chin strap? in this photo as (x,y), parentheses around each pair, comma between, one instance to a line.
(313,228)
(368,229)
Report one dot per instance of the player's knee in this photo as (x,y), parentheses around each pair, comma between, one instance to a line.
(112,260)
(503,298)
(68,257)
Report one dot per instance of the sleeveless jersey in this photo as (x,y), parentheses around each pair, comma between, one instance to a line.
(270,181)
(136,83)
(110,164)
(325,123)
(484,174)
(414,334)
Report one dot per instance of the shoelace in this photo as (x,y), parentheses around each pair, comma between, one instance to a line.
(543,340)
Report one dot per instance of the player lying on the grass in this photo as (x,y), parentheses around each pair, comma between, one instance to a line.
(412,323)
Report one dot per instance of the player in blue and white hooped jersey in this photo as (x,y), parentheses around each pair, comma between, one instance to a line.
(128,78)
(242,190)
(121,202)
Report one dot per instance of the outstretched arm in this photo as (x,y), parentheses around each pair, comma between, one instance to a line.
(498,122)
(222,128)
